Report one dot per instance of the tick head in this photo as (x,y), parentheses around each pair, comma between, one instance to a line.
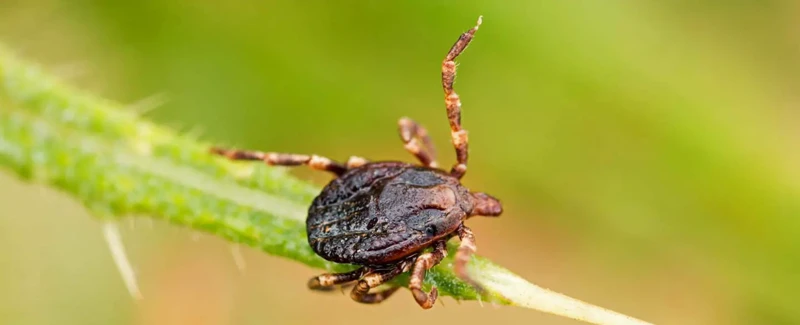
(485,205)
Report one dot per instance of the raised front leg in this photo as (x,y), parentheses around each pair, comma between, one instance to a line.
(423,263)
(417,141)
(283,159)
(453,103)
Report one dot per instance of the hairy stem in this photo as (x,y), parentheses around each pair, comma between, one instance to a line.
(119,164)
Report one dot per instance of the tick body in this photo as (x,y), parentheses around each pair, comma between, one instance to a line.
(384,216)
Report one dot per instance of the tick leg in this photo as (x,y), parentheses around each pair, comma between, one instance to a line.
(417,141)
(376,297)
(463,255)
(326,281)
(453,103)
(361,293)
(422,264)
(356,161)
(283,159)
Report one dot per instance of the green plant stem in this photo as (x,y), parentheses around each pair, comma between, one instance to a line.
(119,164)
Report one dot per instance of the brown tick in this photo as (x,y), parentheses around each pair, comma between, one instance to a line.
(383,215)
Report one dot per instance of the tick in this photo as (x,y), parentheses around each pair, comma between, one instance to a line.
(383,216)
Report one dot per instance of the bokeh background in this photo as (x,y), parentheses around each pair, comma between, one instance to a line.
(646,151)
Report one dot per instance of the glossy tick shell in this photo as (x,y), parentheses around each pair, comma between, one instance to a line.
(382,212)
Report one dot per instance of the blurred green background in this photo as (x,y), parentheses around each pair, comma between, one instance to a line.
(646,151)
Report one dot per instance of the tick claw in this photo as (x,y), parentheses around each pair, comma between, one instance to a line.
(314,284)
(424,300)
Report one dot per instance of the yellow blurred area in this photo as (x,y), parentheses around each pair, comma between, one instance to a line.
(645,152)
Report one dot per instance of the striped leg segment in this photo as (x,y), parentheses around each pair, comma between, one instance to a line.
(360,292)
(327,281)
(283,159)
(464,254)
(422,264)
(417,141)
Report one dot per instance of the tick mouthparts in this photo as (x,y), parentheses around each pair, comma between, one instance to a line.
(486,205)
